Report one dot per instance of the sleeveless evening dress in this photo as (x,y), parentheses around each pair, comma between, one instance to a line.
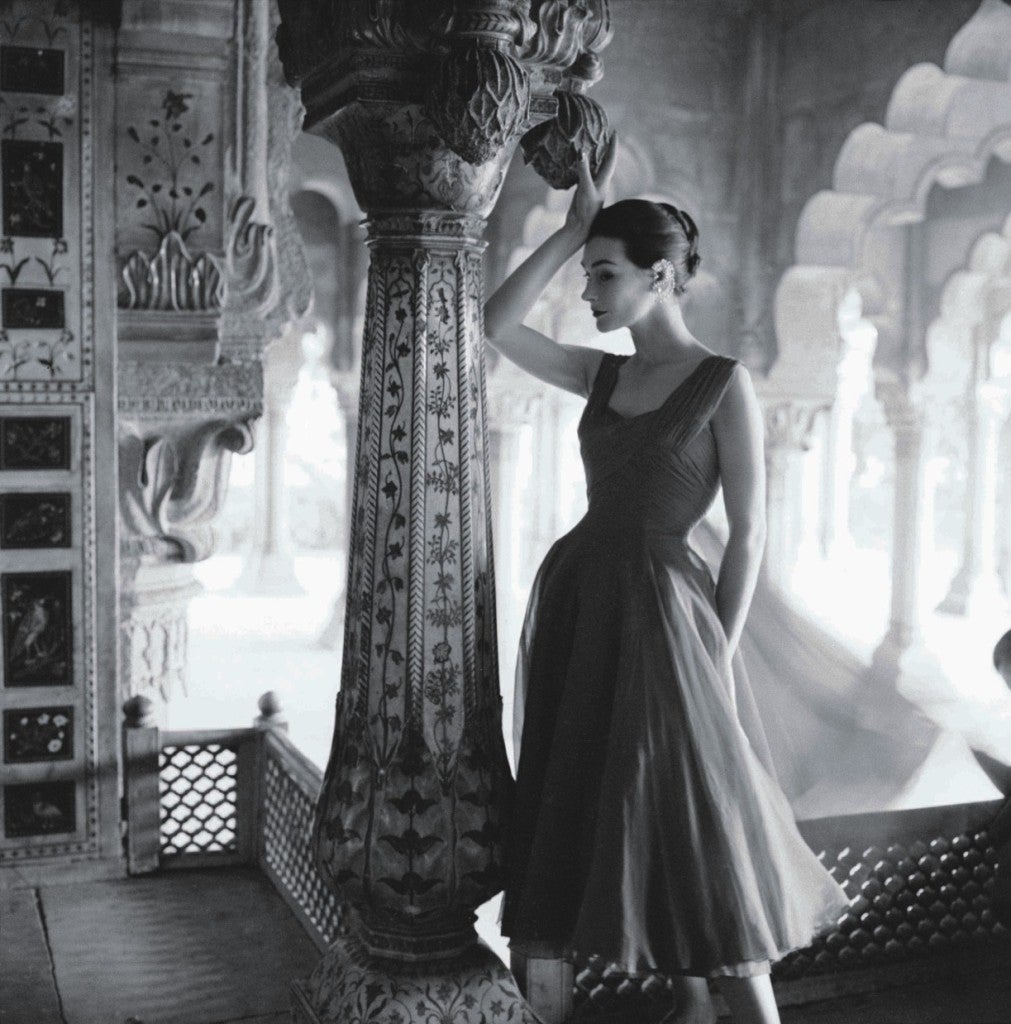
(648,827)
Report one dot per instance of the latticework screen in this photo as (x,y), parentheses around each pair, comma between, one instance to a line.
(288,796)
(198,793)
(910,901)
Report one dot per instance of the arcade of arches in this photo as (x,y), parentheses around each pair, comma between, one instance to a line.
(185,397)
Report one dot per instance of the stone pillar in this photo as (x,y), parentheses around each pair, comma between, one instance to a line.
(908,419)
(854,381)
(426,103)
(269,566)
(345,385)
(755,188)
(514,407)
(976,587)
(788,427)
(210,271)
(1004,506)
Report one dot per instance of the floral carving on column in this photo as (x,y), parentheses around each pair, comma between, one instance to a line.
(427,102)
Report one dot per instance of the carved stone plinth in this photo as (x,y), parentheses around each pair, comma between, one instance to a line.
(427,102)
(154,631)
(349,984)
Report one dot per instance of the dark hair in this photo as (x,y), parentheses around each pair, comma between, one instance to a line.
(650,232)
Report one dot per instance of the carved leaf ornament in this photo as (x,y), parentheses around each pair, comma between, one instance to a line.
(479,101)
(553,148)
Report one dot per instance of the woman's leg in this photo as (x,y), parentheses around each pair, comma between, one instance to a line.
(692,1004)
(750,1000)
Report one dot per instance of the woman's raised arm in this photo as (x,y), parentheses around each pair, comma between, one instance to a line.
(565,366)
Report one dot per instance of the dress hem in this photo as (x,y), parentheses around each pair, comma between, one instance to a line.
(752,966)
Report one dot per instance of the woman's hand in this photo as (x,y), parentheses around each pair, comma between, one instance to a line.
(589,194)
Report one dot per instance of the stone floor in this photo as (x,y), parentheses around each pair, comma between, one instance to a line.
(187,947)
(219,947)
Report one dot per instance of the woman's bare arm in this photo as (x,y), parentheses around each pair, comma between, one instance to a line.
(565,366)
(739,430)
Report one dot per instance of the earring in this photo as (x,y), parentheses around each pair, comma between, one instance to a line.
(665,279)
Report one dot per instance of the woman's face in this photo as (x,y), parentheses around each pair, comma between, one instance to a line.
(619,292)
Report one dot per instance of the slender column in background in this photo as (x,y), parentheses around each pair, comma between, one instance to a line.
(976,587)
(908,421)
(788,429)
(854,382)
(269,564)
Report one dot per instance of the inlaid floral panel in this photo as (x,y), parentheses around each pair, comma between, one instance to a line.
(36,69)
(35,520)
(38,734)
(37,629)
(43,248)
(39,809)
(34,442)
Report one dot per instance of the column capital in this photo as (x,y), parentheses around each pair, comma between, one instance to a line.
(428,99)
(789,424)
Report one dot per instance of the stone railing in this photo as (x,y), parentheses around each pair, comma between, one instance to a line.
(920,881)
(220,797)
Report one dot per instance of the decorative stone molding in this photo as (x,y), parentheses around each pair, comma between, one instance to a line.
(154,631)
(172,279)
(155,390)
(173,477)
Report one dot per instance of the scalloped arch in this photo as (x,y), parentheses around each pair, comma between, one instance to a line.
(942,127)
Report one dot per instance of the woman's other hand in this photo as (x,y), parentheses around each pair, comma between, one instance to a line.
(589,195)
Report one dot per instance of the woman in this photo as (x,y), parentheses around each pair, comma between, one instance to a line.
(648,827)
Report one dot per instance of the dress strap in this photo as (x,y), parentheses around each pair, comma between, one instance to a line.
(683,420)
(604,381)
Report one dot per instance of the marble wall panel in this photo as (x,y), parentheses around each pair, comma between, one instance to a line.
(33,69)
(37,628)
(38,734)
(34,443)
(32,188)
(35,520)
(39,809)
(33,308)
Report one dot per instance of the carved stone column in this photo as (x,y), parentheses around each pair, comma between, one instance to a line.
(346,388)
(909,420)
(270,566)
(210,272)
(854,372)
(515,404)
(426,102)
(788,427)
(976,586)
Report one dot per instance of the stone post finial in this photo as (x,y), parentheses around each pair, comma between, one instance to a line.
(138,712)
(271,714)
